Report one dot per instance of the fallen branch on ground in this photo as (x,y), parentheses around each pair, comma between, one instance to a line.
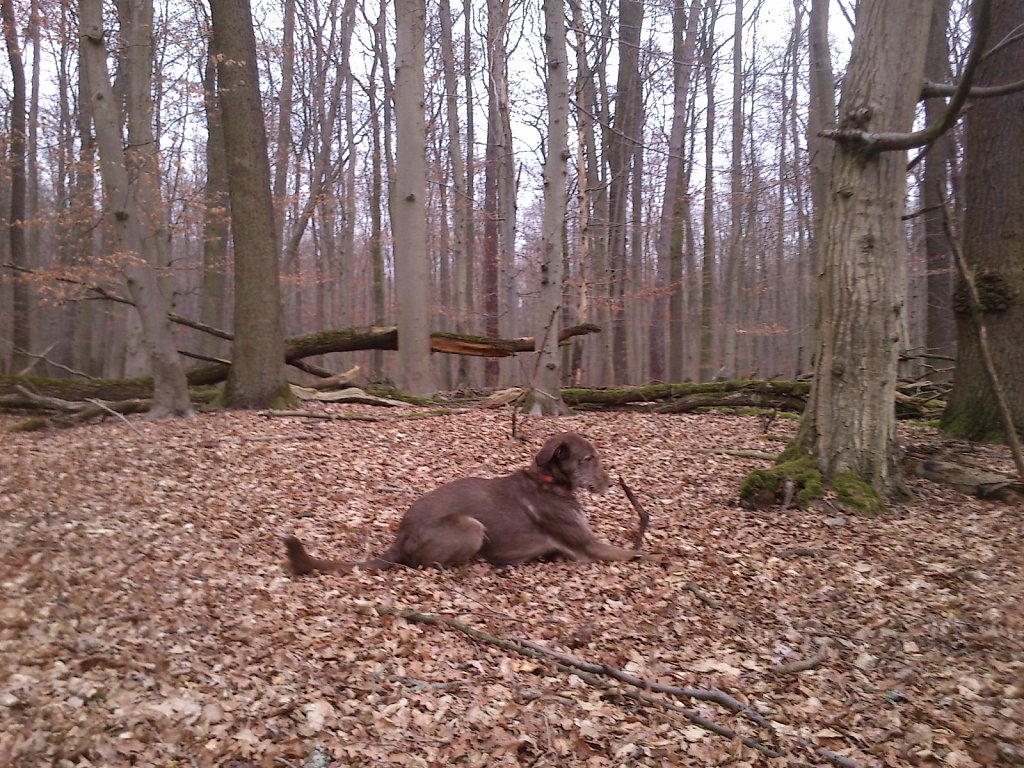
(699,694)
(320,415)
(802,665)
(595,680)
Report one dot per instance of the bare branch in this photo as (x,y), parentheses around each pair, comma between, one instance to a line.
(890,142)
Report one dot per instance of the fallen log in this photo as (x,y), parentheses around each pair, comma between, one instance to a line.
(983,484)
(324,342)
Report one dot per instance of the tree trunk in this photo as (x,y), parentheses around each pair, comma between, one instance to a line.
(849,425)
(993,245)
(170,396)
(821,114)
(622,141)
(461,212)
(733,268)
(707,335)
(257,376)
(497,17)
(408,203)
(216,214)
(940,333)
(668,306)
(547,387)
(21,339)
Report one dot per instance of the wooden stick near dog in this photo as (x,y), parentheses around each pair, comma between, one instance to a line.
(645,519)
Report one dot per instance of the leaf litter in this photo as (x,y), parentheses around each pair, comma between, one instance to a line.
(147,617)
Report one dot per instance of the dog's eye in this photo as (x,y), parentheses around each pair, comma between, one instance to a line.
(588,458)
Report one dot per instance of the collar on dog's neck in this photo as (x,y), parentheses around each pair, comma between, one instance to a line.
(548,479)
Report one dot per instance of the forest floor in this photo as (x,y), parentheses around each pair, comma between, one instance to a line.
(147,618)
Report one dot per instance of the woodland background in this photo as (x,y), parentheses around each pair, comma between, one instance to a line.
(728,292)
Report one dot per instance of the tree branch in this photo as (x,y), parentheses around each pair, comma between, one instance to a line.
(522,649)
(890,142)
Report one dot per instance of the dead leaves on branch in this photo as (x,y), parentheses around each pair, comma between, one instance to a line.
(147,619)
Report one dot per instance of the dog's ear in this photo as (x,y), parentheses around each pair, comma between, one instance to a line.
(556,447)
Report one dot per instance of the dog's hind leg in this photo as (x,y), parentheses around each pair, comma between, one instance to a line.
(449,541)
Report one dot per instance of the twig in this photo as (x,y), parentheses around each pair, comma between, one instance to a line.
(700,694)
(789,552)
(54,363)
(1005,413)
(645,519)
(708,601)
(588,677)
(319,415)
(742,453)
(103,406)
(802,665)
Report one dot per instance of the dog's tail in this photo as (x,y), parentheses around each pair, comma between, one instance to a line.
(302,562)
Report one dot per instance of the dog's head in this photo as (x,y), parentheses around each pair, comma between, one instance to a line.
(573,461)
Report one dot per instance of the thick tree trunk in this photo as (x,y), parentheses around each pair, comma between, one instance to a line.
(170,397)
(622,140)
(408,203)
(257,376)
(849,425)
(993,245)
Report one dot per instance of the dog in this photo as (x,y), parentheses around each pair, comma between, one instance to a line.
(531,514)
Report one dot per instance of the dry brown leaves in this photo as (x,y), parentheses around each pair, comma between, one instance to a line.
(147,618)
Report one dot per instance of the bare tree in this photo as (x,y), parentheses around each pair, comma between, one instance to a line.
(708,255)
(849,424)
(216,211)
(733,268)
(622,141)
(408,202)
(17,223)
(940,333)
(257,366)
(668,313)
(547,396)
(170,389)
(993,244)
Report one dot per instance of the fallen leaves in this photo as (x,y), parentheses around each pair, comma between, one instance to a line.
(147,619)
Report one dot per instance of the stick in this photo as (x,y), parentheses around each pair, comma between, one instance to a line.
(318,415)
(802,665)
(645,519)
(700,694)
(100,404)
(588,677)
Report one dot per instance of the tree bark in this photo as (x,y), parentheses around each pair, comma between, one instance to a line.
(170,395)
(547,398)
(668,303)
(623,138)
(707,272)
(408,203)
(849,425)
(216,213)
(257,377)
(21,338)
(940,323)
(993,245)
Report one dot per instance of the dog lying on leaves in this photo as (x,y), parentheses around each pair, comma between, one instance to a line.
(529,515)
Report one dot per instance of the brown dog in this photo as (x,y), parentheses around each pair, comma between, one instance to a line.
(530,514)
